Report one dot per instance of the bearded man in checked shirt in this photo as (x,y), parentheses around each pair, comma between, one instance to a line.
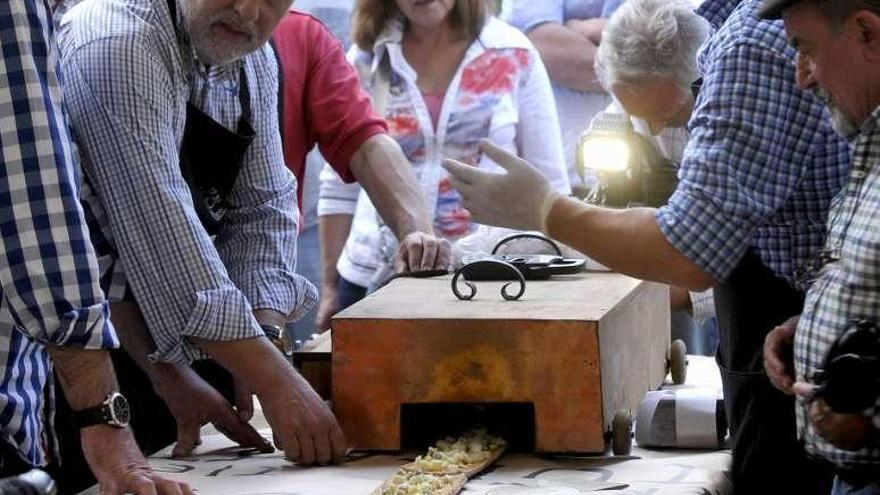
(838,57)
(192,211)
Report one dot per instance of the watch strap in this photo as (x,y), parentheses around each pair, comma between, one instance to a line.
(272,331)
(114,411)
(92,416)
(276,335)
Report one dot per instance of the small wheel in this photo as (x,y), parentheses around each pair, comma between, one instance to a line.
(678,361)
(621,432)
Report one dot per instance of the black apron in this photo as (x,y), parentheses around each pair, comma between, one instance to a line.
(767,456)
(211,158)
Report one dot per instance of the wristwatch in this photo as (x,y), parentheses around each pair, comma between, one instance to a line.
(276,335)
(114,411)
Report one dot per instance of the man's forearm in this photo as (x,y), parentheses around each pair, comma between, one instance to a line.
(255,361)
(567,55)
(138,343)
(86,376)
(385,173)
(628,241)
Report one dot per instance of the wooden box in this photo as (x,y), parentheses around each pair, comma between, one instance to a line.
(313,363)
(578,348)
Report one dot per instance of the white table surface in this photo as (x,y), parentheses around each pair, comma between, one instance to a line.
(218,468)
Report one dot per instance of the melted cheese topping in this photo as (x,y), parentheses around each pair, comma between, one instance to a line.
(472,448)
(415,483)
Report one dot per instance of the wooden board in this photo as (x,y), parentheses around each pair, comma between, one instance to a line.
(585,297)
(323,343)
(313,363)
(413,342)
(634,339)
(469,470)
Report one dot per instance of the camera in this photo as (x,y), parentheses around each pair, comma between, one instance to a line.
(849,380)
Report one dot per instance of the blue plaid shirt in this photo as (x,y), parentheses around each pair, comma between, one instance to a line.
(847,289)
(128,78)
(49,292)
(763,163)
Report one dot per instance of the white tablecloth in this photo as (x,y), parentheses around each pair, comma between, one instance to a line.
(221,469)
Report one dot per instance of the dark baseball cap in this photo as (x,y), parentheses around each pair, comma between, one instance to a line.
(772,9)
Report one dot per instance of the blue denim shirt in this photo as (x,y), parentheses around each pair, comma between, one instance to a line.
(528,14)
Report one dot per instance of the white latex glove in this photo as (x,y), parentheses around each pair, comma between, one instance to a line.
(520,199)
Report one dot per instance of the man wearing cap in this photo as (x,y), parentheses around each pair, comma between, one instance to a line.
(755,185)
(838,58)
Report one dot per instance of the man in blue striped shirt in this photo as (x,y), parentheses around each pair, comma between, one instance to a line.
(51,305)
(755,185)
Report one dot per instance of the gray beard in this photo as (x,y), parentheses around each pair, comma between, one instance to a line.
(210,50)
(841,124)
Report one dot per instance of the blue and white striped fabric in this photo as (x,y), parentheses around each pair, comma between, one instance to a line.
(128,78)
(847,289)
(763,163)
(49,291)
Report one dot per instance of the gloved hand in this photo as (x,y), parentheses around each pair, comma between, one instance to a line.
(520,199)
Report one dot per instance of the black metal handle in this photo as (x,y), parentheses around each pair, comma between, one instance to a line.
(494,264)
(527,235)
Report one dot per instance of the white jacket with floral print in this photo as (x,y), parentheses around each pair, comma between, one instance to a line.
(500,91)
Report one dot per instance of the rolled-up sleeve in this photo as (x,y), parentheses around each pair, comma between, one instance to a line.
(749,150)
(340,112)
(120,108)
(49,274)
(338,195)
(526,15)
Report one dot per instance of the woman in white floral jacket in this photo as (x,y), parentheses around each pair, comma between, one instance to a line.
(456,76)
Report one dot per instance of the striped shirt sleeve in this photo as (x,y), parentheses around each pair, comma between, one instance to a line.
(753,133)
(48,273)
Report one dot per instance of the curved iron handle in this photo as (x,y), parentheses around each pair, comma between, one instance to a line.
(462,273)
(471,286)
(514,297)
(526,235)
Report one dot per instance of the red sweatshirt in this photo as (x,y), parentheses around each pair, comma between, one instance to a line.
(323,102)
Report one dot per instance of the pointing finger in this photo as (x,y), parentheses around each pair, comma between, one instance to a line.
(502,157)
(463,172)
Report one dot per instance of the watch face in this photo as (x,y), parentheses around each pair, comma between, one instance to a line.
(120,410)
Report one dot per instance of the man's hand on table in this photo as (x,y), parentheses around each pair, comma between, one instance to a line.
(844,431)
(419,251)
(194,403)
(302,424)
(778,358)
(120,467)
